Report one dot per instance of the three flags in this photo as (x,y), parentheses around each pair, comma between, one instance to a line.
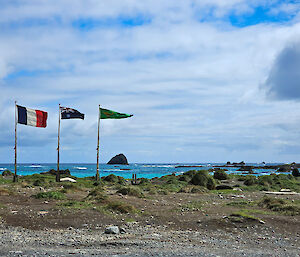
(37,118)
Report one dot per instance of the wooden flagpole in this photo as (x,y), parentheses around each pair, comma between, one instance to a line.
(15,179)
(58,138)
(98,140)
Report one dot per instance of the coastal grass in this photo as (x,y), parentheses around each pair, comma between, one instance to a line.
(132,191)
(240,203)
(4,180)
(241,216)
(56,195)
(283,206)
(192,206)
(271,182)
(6,191)
(73,204)
(225,191)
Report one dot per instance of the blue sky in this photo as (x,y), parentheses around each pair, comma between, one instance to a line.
(207,81)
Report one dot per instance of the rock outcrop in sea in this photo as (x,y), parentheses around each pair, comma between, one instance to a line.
(53,172)
(119,159)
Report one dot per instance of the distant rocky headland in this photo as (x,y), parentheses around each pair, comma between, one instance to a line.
(119,159)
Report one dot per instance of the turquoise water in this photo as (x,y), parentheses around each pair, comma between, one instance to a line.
(145,170)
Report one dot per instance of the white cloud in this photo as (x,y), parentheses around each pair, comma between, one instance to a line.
(190,85)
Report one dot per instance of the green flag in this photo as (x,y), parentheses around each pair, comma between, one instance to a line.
(108,114)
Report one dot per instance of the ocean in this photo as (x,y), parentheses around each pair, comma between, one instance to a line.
(143,170)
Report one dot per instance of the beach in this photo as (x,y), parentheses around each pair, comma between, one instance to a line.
(160,217)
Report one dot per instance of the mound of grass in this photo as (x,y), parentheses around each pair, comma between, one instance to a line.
(241,216)
(193,189)
(7,173)
(71,187)
(113,179)
(132,191)
(251,180)
(280,205)
(192,206)
(240,203)
(5,191)
(76,204)
(50,195)
(42,180)
(98,195)
(121,207)
(220,175)
(202,178)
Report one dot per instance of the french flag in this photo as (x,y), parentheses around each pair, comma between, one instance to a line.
(35,118)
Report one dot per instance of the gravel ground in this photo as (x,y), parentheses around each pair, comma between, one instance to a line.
(139,240)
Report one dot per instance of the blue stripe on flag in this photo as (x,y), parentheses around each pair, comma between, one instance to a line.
(22,115)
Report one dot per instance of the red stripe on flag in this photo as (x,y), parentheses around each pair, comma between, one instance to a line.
(41,119)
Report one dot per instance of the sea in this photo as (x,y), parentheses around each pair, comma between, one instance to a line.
(142,170)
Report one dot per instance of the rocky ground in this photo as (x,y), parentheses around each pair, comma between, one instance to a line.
(215,223)
(253,240)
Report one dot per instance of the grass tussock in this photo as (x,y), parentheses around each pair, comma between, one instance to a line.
(280,205)
(240,203)
(132,191)
(192,206)
(76,204)
(121,207)
(56,195)
(5,191)
(242,216)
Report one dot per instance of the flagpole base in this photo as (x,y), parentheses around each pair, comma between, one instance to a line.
(57,177)
(97,176)
(15,178)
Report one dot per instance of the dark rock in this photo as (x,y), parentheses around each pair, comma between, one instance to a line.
(7,173)
(119,159)
(245,168)
(221,187)
(228,163)
(295,172)
(53,172)
(284,168)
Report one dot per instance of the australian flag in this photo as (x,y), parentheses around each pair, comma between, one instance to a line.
(69,113)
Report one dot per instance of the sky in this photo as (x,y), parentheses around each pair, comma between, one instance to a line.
(206,81)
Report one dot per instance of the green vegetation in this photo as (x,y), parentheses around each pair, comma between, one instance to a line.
(192,206)
(193,181)
(202,178)
(121,207)
(114,179)
(7,173)
(280,205)
(240,203)
(76,204)
(271,182)
(132,191)
(220,174)
(241,216)
(5,191)
(50,195)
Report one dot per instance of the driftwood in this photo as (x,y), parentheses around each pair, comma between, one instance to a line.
(281,193)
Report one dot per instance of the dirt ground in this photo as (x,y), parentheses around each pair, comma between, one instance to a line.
(183,211)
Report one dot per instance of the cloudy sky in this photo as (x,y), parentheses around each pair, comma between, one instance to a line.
(206,80)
